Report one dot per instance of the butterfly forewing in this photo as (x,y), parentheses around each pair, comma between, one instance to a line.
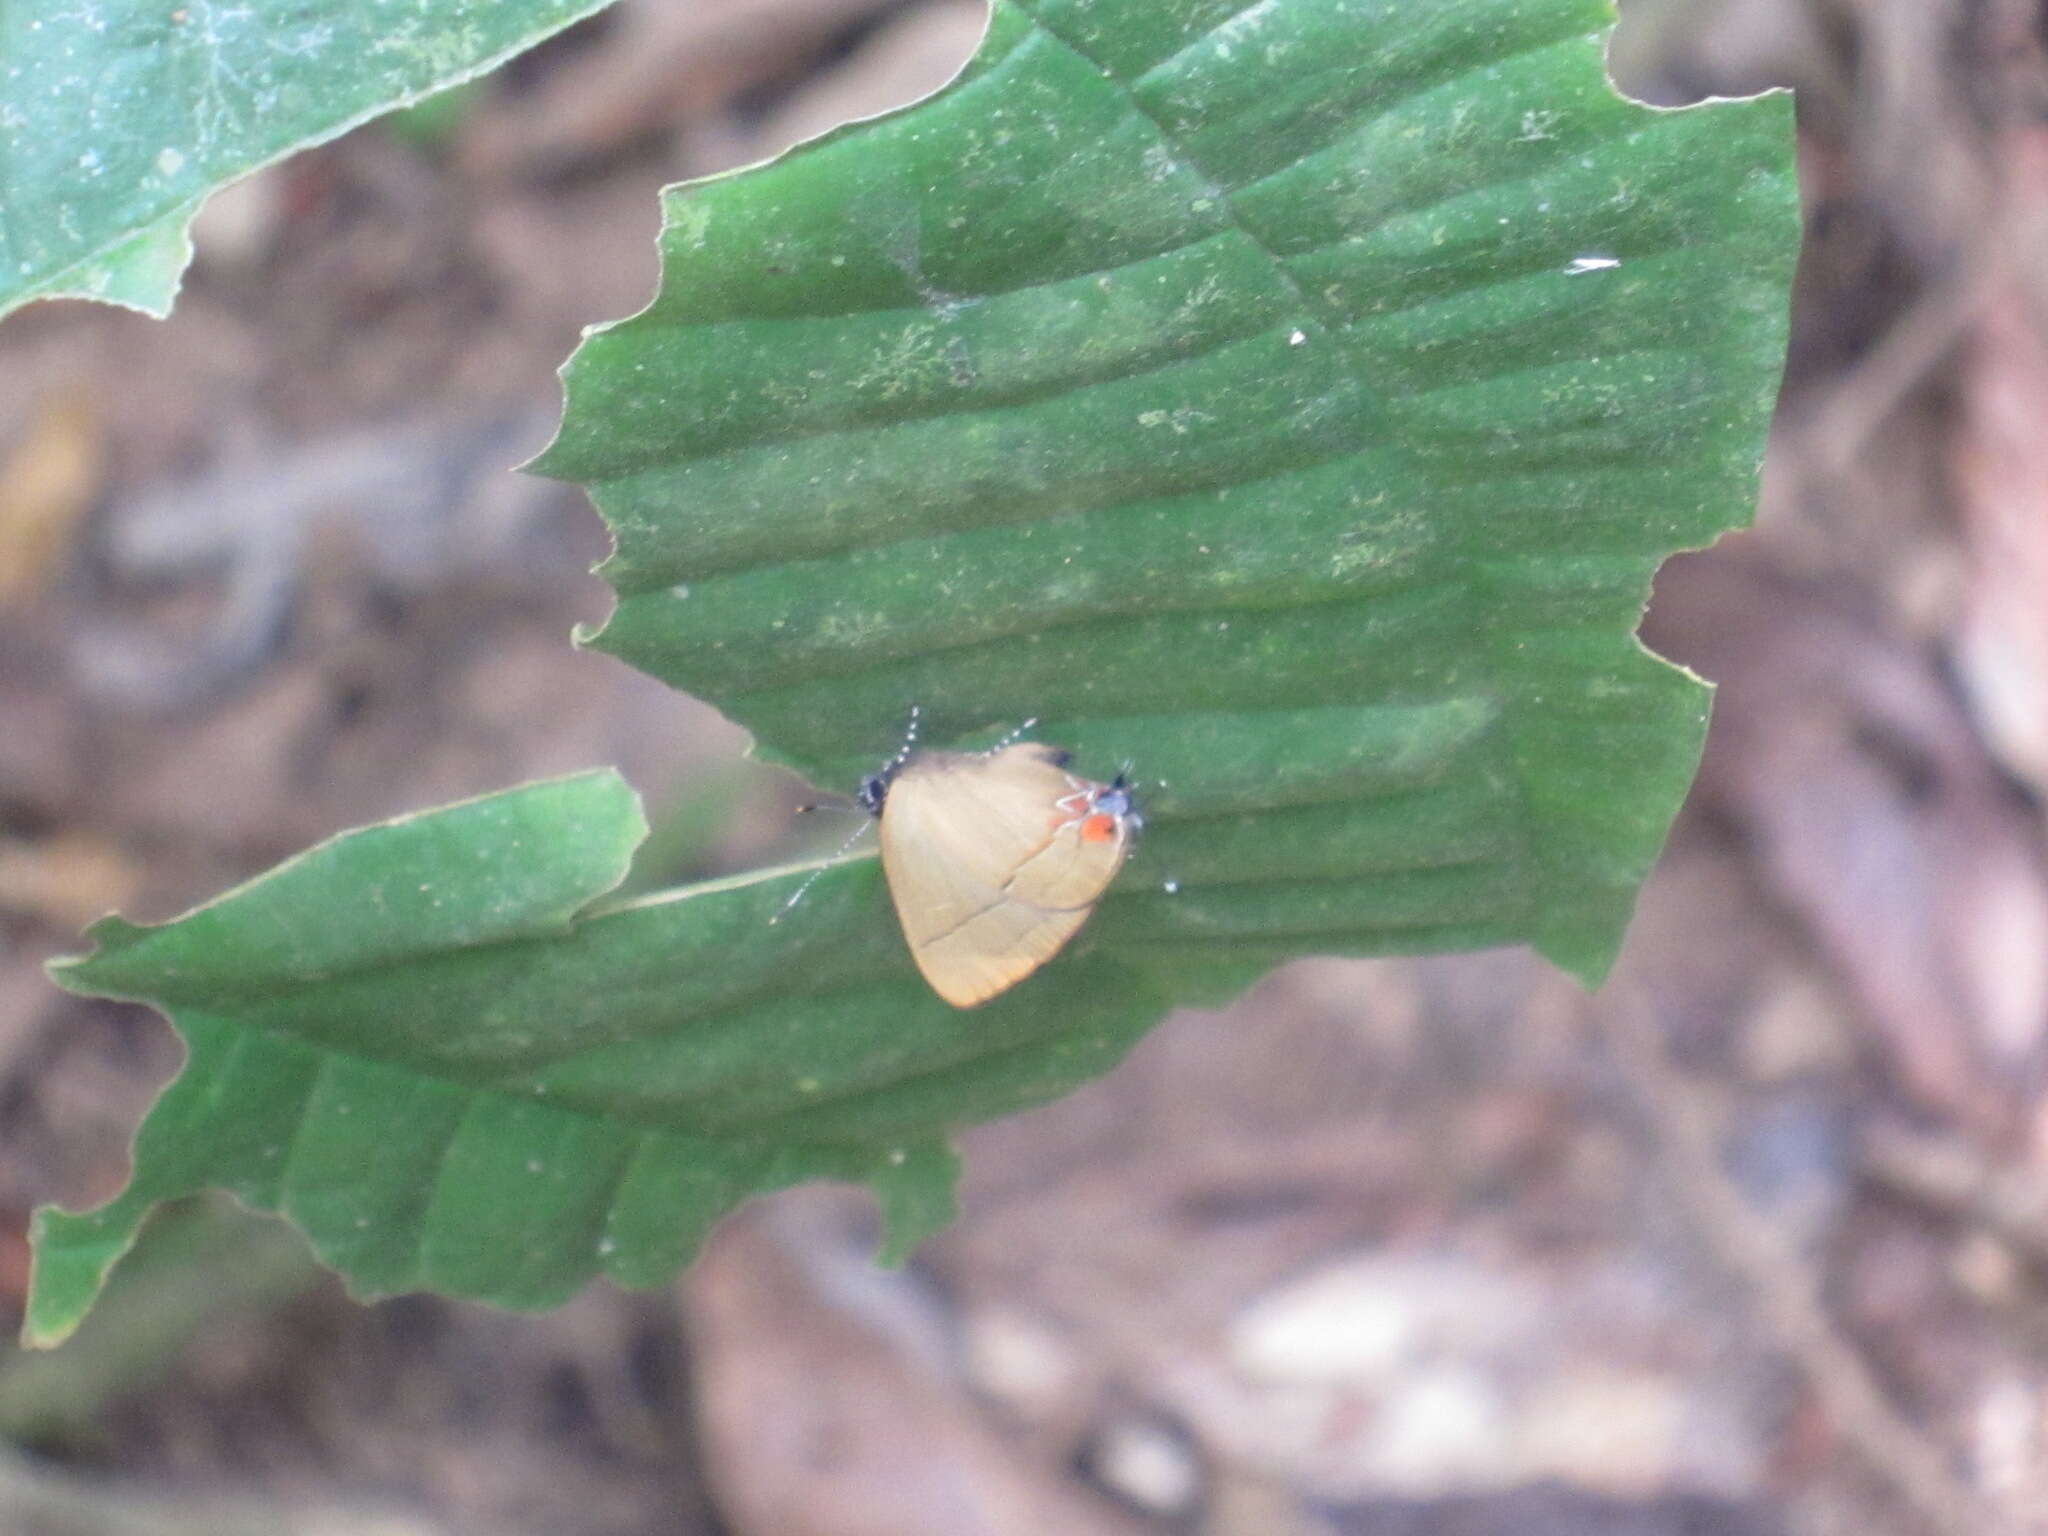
(993,863)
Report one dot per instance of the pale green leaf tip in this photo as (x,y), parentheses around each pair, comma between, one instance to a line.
(71,1256)
(75,973)
(142,271)
(1586,960)
(915,1189)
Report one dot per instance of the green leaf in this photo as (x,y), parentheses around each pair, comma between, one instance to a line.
(1292,402)
(408,1042)
(198,1260)
(119,117)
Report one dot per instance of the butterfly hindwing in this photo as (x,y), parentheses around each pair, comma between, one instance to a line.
(993,862)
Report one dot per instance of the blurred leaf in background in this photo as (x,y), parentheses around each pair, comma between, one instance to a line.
(119,117)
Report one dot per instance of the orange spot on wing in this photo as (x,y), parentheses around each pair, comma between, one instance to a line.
(1099,828)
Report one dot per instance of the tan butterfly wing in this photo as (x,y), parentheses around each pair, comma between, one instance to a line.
(990,874)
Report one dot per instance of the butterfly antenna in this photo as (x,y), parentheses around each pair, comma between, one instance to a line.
(888,769)
(1013,735)
(812,878)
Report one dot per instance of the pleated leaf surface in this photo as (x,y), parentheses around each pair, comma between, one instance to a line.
(1291,402)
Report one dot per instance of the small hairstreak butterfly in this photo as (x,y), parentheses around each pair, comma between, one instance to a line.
(994,859)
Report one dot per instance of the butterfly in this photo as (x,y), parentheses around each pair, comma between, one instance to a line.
(995,859)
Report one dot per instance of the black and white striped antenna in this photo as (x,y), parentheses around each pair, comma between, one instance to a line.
(869,798)
(874,789)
